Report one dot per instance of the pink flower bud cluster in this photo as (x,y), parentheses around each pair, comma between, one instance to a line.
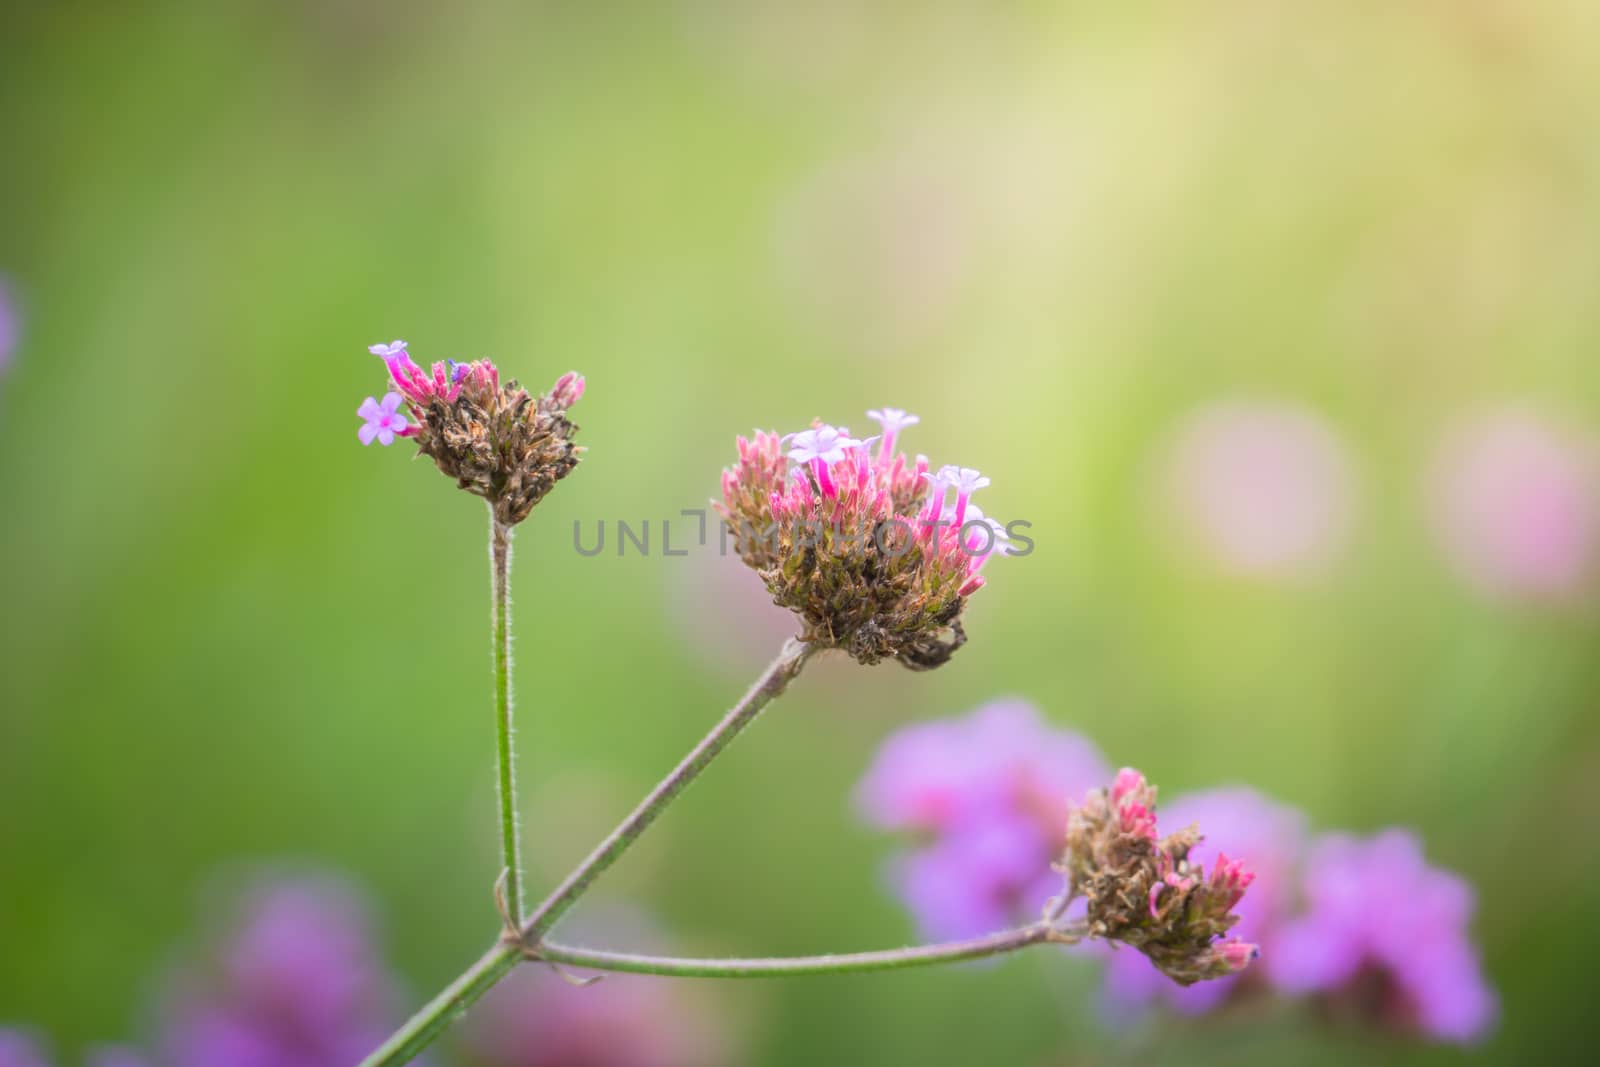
(1146,891)
(498,442)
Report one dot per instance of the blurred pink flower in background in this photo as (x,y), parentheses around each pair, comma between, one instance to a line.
(10,325)
(1268,838)
(296,981)
(1379,919)
(1265,487)
(19,1049)
(1517,506)
(990,793)
(534,1018)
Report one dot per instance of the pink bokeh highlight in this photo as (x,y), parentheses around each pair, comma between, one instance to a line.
(1265,488)
(1516,506)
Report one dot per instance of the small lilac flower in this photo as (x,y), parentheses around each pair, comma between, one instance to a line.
(296,982)
(384,420)
(1262,836)
(1265,487)
(992,793)
(392,350)
(1377,912)
(1517,506)
(18,1049)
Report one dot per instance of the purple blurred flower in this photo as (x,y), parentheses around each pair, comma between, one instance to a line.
(1378,914)
(1268,838)
(1517,504)
(18,1049)
(534,1019)
(1266,487)
(10,325)
(296,983)
(992,792)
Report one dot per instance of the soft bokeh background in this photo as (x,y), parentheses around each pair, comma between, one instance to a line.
(1060,233)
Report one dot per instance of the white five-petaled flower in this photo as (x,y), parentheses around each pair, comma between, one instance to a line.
(393,348)
(963,480)
(893,420)
(384,420)
(827,443)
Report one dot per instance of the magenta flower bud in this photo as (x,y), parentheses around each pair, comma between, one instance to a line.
(1236,955)
(856,540)
(568,389)
(1229,880)
(1128,782)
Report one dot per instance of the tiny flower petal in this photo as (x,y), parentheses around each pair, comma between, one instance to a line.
(388,351)
(390,402)
(893,420)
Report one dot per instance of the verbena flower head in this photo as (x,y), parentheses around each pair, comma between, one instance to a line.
(858,541)
(295,982)
(989,795)
(1150,892)
(1383,923)
(1241,824)
(497,441)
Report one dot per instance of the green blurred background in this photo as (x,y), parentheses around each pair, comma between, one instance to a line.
(1052,230)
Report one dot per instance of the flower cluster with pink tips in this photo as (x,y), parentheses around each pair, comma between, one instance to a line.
(500,443)
(875,553)
(1358,922)
(1144,890)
